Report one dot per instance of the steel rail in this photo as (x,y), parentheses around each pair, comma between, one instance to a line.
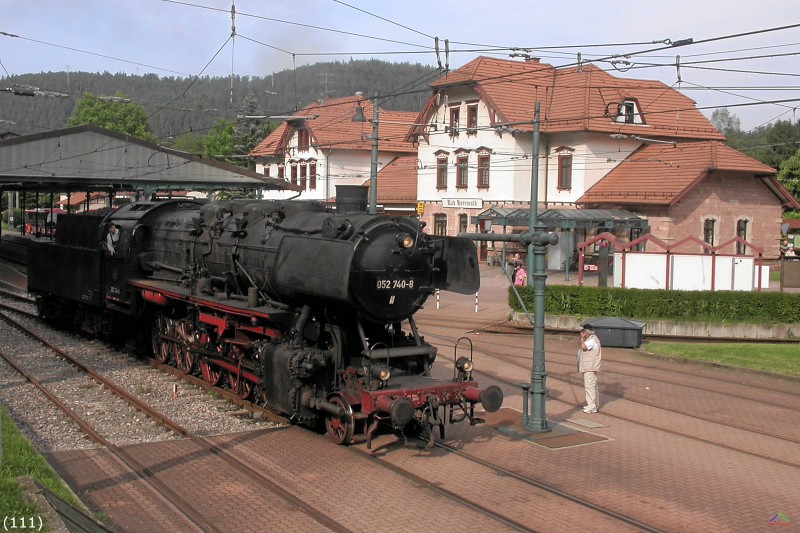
(181,431)
(185,508)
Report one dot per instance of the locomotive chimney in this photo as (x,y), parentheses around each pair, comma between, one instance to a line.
(351,198)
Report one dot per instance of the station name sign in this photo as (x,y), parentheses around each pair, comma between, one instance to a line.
(471,203)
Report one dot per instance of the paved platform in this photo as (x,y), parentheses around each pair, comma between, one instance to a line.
(731,466)
(715,450)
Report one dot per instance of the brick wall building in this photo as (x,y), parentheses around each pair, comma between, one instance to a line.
(701,189)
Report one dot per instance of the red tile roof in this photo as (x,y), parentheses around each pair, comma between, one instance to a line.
(575,99)
(661,174)
(331,125)
(397,181)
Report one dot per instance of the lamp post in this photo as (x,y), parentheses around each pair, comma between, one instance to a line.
(536,252)
(373,161)
(536,239)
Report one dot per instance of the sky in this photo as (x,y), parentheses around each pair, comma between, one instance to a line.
(744,55)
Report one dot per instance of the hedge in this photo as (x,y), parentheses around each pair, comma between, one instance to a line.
(644,304)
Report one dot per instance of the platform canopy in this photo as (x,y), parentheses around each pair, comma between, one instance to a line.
(89,158)
(564,218)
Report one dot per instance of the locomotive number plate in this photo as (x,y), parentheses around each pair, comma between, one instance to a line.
(394,284)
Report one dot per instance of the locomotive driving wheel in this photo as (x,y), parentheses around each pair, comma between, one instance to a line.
(161,347)
(211,374)
(340,430)
(240,386)
(184,359)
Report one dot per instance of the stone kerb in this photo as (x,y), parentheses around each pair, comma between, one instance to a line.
(671,328)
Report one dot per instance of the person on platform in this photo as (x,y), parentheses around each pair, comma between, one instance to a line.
(520,276)
(589,358)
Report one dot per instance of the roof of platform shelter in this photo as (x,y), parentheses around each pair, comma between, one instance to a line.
(591,218)
(564,218)
(85,158)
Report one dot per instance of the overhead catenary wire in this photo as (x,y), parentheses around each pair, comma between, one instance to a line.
(424,50)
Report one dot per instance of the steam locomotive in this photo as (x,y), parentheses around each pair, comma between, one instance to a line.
(305,309)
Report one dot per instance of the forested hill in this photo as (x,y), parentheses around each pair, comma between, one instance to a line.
(176,105)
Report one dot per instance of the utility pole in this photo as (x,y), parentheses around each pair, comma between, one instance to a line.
(372,208)
(373,161)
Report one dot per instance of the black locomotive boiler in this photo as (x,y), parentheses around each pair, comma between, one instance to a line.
(304,308)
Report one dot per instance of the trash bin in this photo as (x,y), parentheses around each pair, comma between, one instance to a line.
(617,332)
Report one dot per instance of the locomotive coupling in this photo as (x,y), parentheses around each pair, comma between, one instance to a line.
(491,397)
(401,410)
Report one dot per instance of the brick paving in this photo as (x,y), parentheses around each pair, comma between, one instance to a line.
(680,479)
(671,471)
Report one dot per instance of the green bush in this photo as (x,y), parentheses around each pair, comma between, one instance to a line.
(641,304)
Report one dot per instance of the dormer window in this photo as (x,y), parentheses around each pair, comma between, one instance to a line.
(628,113)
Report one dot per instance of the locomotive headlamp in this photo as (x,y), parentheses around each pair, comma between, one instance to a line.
(404,240)
(463,364)
(381,372)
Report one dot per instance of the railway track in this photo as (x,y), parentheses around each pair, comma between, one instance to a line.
(201,384)
(435,488)
(745,427)
(694,371)
(192,514)
(513,482)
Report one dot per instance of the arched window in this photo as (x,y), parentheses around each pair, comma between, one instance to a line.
(472,118)
(463,220)
(312,174)
(440,224)
(455,116)
(303,174)
(564,167)
(441,170)
(303,140)
(462,169)
(709,232)
(484,158)
(742,227)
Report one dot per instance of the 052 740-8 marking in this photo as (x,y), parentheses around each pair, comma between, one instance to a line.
(394,284)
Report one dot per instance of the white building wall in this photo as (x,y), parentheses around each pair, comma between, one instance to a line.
(334,167)
(594,155)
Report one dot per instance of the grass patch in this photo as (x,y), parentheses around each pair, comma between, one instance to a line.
(778,358)
(20,458)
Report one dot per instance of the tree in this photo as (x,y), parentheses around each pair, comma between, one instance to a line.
(116,113)
(188,142)
(789,174)
(782,141)
(221,142)
(725,122)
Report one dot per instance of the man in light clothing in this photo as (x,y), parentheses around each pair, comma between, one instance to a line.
(589,358)
(112,238)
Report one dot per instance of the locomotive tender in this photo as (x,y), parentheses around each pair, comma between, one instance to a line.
(292,304)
